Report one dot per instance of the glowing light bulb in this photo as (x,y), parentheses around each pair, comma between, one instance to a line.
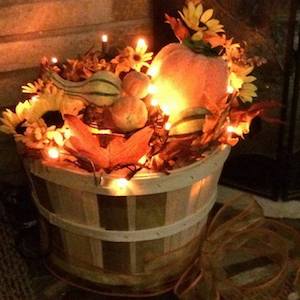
(54,60)
(142,160)
(154,102)
(230,89)
(104,38)
(230,129)
(168,126)
(34,98)
(53,153)
(152,71)
(165,109)
(122,183)
(141,44)
(152,89)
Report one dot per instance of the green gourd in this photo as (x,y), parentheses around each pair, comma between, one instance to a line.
(103,88)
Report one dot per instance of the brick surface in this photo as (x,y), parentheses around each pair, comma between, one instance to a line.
(27,53)
(50,15)
(132,9)
(10,85)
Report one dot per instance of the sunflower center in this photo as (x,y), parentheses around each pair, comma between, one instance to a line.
(53,118)
(19,128)
(137,57)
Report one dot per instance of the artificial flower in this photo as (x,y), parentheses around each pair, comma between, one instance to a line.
(11,121)
(131,58)
(248,92)
(241,81)
(38,135)
(54,100)
(200,21)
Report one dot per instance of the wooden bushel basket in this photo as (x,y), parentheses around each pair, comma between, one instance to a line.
(134,240)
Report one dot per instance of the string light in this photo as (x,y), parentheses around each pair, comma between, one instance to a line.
(152,89)
(154,102)
(122,183)
(53,153)
(165,109)
(54,60)
(104,38)
(230,89)
(152,71)
(35,98)
(142,160)
(141,44)
(230,129)
(168,126)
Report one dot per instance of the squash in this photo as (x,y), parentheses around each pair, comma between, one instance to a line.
(187,80)
(136,84)
(103,88)
(129,113)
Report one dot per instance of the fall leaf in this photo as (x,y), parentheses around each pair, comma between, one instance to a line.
(130,152)
(87,145)
(177,26)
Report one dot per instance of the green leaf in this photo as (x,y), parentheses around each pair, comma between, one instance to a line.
(201,47)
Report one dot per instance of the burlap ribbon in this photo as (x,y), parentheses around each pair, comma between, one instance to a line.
(244,257)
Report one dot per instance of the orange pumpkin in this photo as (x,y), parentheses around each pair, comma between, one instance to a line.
(129,113)
(185,79)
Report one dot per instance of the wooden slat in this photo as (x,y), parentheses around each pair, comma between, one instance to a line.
(131,214)
(113,212)
(150,210)
(40,186)
(116,256)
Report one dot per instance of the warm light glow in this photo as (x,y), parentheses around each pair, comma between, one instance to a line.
(67,133)
(230,129)
(104,38)
(53,153)
(100,131)
(230,89)
(143,160)
(141,44)
(240,130)
(54,60)
(168,126)
(153,71)
(152,89)
(35,98)
(122,183)
(154,102)
(165,109)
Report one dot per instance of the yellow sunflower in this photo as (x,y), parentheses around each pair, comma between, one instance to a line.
(38,135)
(200,21)
(241,81)
(54,101)
(12,120)
(131,58)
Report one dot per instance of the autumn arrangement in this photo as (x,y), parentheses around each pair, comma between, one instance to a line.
(134,112)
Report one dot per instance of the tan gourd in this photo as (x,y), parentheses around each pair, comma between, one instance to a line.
(129,113)
(136,84)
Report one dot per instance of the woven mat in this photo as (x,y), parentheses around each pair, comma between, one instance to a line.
(15,283)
